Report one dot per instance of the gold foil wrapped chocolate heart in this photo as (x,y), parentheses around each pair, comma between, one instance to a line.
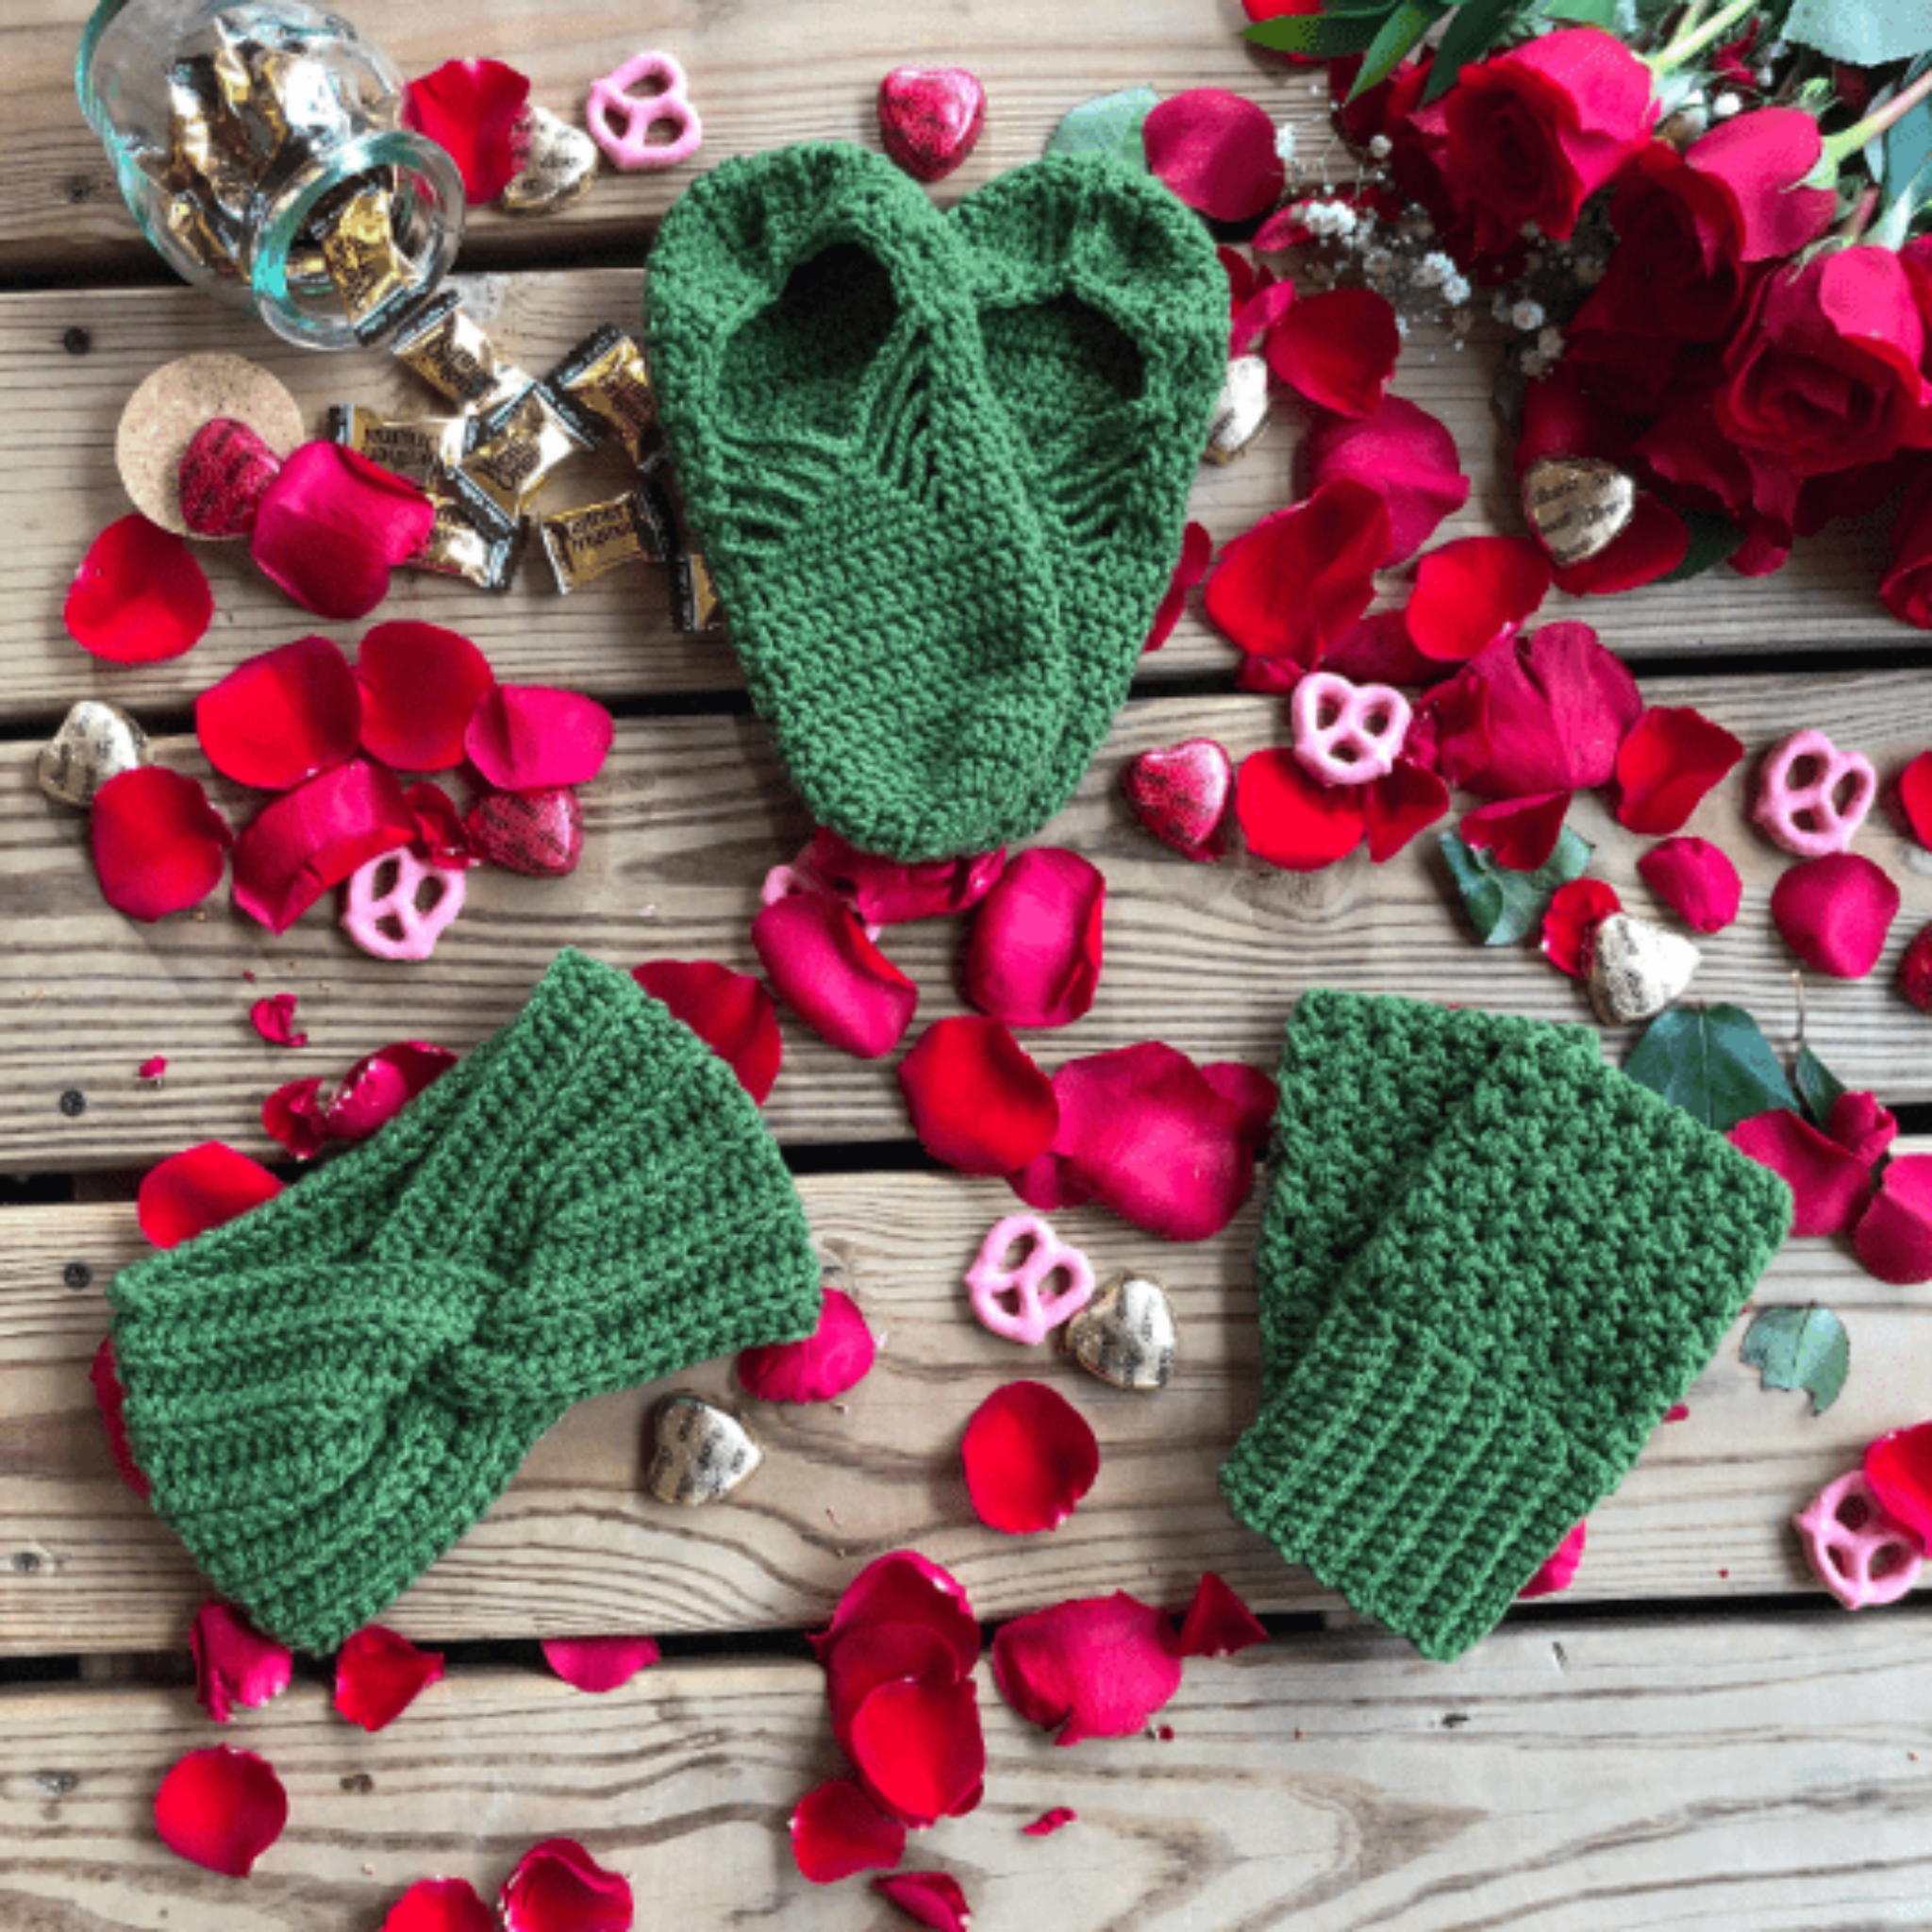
(701,1452)
(96,742)
(1577,506)
(1636,969)
(1126,1334)
(560,165)
(1240,411)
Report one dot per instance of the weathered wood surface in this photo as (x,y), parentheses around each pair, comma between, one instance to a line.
(1617,1778)
(575,1544)
(681,829)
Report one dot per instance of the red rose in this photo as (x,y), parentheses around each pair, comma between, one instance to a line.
(1758,159)
(1827,372)
(1906,591)
(1533,133)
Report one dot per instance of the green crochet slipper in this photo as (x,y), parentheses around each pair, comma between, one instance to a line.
(938,464)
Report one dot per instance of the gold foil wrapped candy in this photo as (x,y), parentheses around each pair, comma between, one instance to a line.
(1577,505)
(1636,969)
(702,1452)
(96,742)
(1126,1334)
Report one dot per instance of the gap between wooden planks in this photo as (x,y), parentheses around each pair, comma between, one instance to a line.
(576,1545)
(1775,1775)
(613,638)
(681,829)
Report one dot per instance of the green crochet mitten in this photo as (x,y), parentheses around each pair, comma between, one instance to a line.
(325,1393)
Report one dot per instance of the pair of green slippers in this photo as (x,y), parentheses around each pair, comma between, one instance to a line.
(939,464)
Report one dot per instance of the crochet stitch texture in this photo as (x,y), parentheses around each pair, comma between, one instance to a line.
(1488,1263)
(326,1393)
(939,465)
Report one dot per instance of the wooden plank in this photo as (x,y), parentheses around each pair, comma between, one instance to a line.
(682,828)
(1704,1776)
(575,1544)
(613,638)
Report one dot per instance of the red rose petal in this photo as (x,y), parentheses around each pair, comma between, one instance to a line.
(1861,1126)
(1033,957)
(1472,592)
(1915,970)
(1216,151)
(1835,912)
(889,892)
(1338,349)
(379,1675)
(139,596)
(1302,576)
(1269,303)
(421,686)
(332,524)
(1030,1455)
(979,1102)
(839,983)
(159,844)
(1653,545)
(440,1905)
(292,1115)
(152,1068)
(1218,1624)
(838,1830)
(442,838)
(1576,911)
(1672,759)
(1094,1667)
(1050,1822)
(1197,546)
(381,1084)
(198,1188)
(870,1653)
(1828,1185)
(274,1020)
(1558,1568)
(1291,819)
(1377,649)
(905,1588)
(234,1664)
(1408,800)
(1521,833)
(469,108)
(1252,1094)
(837,1355)
(221,1809)
(918,1748)
(1899,1468)
(309,839)
(729,1011)
(599,1663)
(1403,454)
(112,1400)
(1696,880)
(558,1887)
(1912,796)
(528,737)
(281,717)
(1895,1237)
(932,1898)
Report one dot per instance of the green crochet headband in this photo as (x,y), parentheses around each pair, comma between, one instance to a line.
(1488,1264)
(328,1391)
(939,464)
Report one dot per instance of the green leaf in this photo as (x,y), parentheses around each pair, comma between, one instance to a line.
(1909,146)
(1818,1086)
(1615,16)
(1713,538)
(1400,32)
(1477,26)
(1505,907)
(1321,35)
(1109,125)
(1800,1348)
(1867,33)
(1715,1064)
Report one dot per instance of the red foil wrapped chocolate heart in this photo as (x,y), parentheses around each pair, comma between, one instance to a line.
(1180,793)
(930,118)
(538,833)
(225,470)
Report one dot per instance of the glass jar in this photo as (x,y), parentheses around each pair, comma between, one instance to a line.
(236,129)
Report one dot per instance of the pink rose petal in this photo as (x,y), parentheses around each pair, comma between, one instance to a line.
(112,1398)
(158,844)
(379,1675)
(332,524)
(304,841)
(1033,957)
(1894,1235)
(905,1588)
(1828,1185)
(1216,151)
(153,1068)
(1474,591)
(835,1356)
(889,892)
(599,1663)
(421,686)
(1050,1822)
(1095,1667)
(729,1011)
(139,596)
(440,1905)
(838,1830)
(839,983)
(1672,757)
(1899,1468)
(918,1748)
(1915,970)
(529,737)
(470,109)
(201,1188)
(282,716)
(274,1018)
(1403,454)
(221,1809)
(1558,1568)
(1338,349)
(558,1887)
(234,1664)
(1696,880)
(932,1899)
(1218,1622)
(1834,912)
(1861,1126)
(979,1102)
(1030,1455)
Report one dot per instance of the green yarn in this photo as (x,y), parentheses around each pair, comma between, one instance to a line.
(1488,1263)
(938,466)
(328,1391)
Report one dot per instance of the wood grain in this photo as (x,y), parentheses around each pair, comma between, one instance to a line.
(59,487)
(576,1545)
(682,826)
(1704,1776)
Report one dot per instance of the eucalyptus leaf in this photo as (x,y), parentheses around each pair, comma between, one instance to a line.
(1818,1086)
(1506,906)
(1322,36)
(1109,125)
(1714,1063)
(1800,1348)
(1478,25)
(1713,538)
(1400,32)
(1867,33)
